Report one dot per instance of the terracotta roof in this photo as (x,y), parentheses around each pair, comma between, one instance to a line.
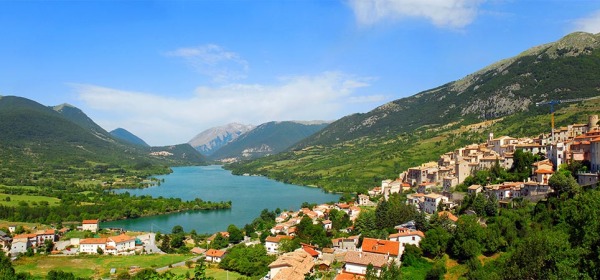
(450,216)
(121,238)
(215,253)
(411,233)
(366,258)
(111,248)
(544,171)
(85,222)
(381,246)
(295,264)
(277,239)
(25,235)
(348,276)
(93,241)
(327,222)
(197,250)
(312,252)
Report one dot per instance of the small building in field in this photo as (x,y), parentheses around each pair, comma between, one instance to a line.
(91,225)
(213,255)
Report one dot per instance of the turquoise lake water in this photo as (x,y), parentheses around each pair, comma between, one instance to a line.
(249,195)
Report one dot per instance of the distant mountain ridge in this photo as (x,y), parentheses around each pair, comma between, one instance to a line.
(564,69)
(129,137)
(212,139)
(267,139)
(34,136)
(358,150)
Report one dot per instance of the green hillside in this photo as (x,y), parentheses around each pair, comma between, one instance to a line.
(357,151)
(39,142)
(123,134)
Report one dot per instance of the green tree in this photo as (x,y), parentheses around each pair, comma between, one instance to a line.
(6,269)
(177,230)
(435,242)
(543,255)
(412,254)
(563,183)
(467,238)
(235,234)
(200,271)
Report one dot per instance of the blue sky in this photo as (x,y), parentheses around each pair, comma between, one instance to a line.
(167,70)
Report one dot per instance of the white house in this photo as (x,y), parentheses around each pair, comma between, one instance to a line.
(91,245)
(357,262)
(120,244)
(327,225)
(432,201)
(213,255)
(272,243)
(19,245)
(91,225)
(406,236)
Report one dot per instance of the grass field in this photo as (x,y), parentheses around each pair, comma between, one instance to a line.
(31,200)
(5,224)
(217,273)
(92,266)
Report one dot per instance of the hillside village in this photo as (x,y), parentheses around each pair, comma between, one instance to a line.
(430,188)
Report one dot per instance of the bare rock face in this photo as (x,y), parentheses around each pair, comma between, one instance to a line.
(210,140)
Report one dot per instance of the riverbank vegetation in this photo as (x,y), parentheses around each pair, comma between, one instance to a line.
(54,205)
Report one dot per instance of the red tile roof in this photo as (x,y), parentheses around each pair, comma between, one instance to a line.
(450,216)
(544,171)
(93,241)
(313,253)
(371,245)
(277,239)
(215,253)
(121,238)
(85,222)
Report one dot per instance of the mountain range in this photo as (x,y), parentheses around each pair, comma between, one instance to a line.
(267,139)
(212,139)
(38,137)
(359,150)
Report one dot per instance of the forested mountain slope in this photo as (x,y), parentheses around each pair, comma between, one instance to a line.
(357,151)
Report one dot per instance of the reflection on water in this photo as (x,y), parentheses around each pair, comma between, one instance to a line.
(248,194)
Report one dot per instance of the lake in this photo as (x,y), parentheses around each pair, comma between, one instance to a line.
(249,196)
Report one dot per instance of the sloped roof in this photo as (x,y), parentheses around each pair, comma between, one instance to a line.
(277,239)
(215,253)
(410,233)
(450,216)
(366,258)
(121,238)
(86,222)
(378,246)
(93,241)
(296,264)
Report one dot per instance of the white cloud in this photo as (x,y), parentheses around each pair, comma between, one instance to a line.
(442,13)
(214,61)
(162,120)
(590,23)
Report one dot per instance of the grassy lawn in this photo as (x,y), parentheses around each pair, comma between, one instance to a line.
(92,266)
(217,273)
(30,199)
